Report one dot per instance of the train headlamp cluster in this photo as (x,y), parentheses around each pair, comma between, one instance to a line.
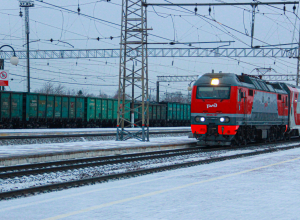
(203,119)
(198,119)
(224,119)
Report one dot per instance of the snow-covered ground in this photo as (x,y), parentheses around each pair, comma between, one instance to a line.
(34,149)
(258,187)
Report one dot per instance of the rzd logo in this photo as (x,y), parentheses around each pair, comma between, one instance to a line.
(213,105)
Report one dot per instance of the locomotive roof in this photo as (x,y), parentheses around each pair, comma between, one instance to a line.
(243,80)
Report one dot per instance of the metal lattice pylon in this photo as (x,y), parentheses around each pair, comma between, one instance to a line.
(133,73)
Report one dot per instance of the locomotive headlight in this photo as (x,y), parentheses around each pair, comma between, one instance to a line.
(215,81)
(202,119)
(197,119)
(224,119)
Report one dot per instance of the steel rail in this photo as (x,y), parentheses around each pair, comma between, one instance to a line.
(30,169)
(76,183)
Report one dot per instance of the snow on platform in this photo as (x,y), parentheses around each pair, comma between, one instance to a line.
(36,153)
(259,187)
(28,132)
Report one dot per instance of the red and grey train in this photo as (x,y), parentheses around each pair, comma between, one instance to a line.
(237,109)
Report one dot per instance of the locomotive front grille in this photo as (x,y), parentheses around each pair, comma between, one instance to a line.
(212,129)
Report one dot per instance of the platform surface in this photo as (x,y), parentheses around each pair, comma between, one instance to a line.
(260,187)
(33,153)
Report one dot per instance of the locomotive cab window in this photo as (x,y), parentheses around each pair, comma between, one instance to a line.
(250,92)
(279,97)
(213,92)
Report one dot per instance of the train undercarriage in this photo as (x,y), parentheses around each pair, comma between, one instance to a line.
(246,135)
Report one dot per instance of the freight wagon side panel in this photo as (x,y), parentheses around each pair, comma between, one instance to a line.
(72,107)
(115,109)
(154,112)
(174,111)
(98,109)
(169,111)
(109,109)
(150,112)
(65,107)
(91,108)
(181,111)
(42,106)
(5,105)
(104,109)
(163,112)
(50,106)
(185,113)
(189,111)
(158,112)
(128,113)
(178,111)
(79,108)
(57,107)
(31,106)
(17,106)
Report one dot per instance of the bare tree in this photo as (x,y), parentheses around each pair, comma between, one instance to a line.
(175,97)
(59,89)
(103,95)
(47,88)
(115,96)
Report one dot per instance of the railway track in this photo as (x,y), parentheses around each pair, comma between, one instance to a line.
(18,171)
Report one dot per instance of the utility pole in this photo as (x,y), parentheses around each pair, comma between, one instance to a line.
(252,28)
(27,4)
(2,68)
(133,48)
(298,61)
(132,98)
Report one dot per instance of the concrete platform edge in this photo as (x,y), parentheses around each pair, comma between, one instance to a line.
(68,155)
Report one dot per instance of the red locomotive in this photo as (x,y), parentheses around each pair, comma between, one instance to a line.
(237,109)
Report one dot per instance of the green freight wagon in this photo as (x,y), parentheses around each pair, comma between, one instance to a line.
(93,112)
(189,114)
(50,109)
(98,111)
(163,115)
(181,112)
(79,112)
(115,112)
(90,111)
(11,114)
(39,110)
(104,112)
(151,114)
(65,110)
(57,117)
(72,109)
(176,114)
(156,115)
(108,112)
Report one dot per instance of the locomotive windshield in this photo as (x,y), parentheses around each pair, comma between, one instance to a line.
(213,92)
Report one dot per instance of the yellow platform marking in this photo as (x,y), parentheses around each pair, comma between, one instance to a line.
(162,191)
